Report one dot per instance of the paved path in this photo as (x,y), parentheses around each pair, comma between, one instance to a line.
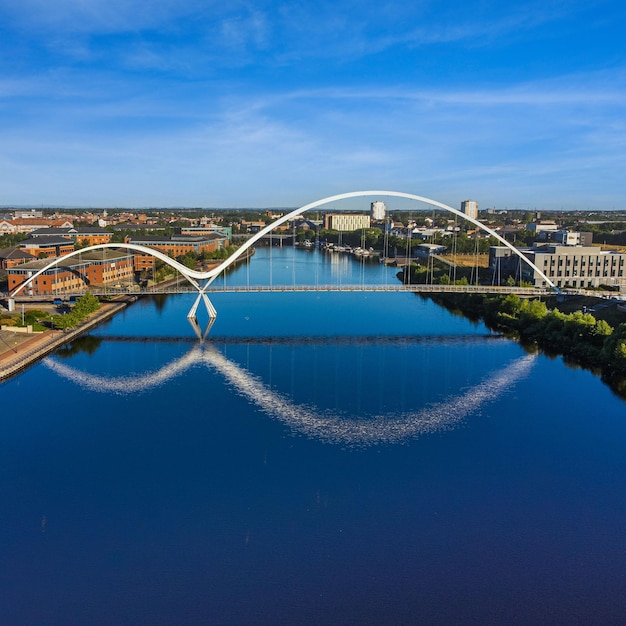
(19,351)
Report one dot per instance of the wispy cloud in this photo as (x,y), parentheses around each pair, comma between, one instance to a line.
(97,16)
(285,32)
(265,102)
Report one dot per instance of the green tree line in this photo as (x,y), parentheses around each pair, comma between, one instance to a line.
(85,305)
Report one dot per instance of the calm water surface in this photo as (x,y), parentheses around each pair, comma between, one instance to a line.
(323,458)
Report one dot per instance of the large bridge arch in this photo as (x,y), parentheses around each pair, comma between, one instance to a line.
(214,273)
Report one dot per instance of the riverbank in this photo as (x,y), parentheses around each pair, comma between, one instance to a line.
(18,352)
(582,339)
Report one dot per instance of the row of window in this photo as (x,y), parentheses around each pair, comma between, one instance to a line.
(614,261)
(613,273)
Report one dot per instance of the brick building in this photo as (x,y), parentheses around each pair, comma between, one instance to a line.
(10,257)
(99,267)
(28,225)
(86,236)
(176,245)
(51,246)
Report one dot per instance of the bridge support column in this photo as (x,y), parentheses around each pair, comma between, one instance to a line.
(197,330)
(192,311)
(210,309)
(11,303)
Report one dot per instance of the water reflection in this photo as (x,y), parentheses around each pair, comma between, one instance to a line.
(311,421)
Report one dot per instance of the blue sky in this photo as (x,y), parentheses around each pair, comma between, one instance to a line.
(262,103)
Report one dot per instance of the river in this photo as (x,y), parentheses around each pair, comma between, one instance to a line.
(324,458)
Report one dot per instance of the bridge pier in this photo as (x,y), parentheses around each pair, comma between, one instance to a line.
(210,309)
(197,330)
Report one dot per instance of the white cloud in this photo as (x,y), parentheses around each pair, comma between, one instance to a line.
(161,118)
(97,16)
(285,31)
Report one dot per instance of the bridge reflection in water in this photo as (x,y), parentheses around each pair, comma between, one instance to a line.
(313,422)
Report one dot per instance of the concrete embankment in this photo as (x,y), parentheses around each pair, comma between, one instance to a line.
(19,357)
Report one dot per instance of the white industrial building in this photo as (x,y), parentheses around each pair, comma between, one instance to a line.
(346,222)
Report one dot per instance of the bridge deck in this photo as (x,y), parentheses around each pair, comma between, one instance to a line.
(392,288)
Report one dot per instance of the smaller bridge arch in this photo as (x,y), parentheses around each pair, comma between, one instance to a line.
(214,273)
(189,274)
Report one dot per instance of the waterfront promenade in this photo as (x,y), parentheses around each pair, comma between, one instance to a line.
(19,351)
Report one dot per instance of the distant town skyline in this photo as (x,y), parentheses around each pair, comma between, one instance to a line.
(128,103)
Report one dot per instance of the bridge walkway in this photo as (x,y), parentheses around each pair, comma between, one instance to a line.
(337,288)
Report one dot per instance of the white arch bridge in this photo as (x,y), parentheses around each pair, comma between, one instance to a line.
(201,281)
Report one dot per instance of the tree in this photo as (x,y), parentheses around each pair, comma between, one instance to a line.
(511,305)
(11,239)
(190,259)
(79,245)
(614,350)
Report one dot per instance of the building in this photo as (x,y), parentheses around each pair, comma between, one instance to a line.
(426,250)
(378,210)
(28,225)
(176,245)
(28,213)
(195,231)
(470,208)
(251,226)
(566,266)
(346,222)
(97,268)
(44,246)
(86,236)
(10,257)
(91,235)
(571,238)
(542,228)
